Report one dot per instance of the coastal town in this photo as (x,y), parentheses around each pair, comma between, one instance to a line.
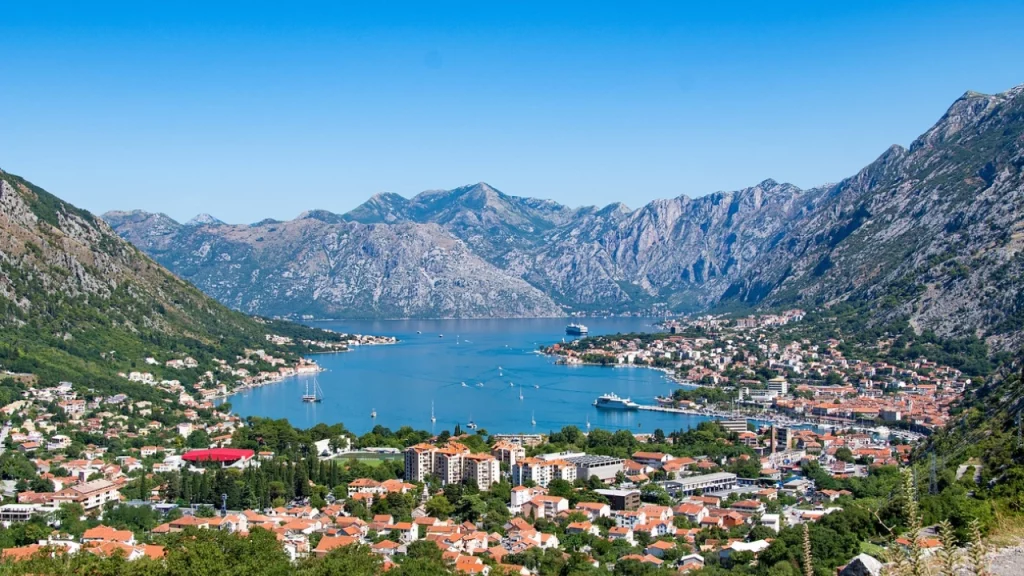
(746,367)
(73,462)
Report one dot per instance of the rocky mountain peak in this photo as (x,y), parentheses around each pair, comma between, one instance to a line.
(325,216)
(204,220)
(967,112)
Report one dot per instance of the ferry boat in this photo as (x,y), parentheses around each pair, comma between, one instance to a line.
(316,396)
(613,402)
(576,329)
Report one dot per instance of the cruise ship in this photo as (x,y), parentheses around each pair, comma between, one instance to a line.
(613,402)
(576,330)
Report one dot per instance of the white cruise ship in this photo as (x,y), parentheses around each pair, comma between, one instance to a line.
(613,402)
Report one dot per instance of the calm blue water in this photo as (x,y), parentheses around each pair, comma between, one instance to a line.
(400,381)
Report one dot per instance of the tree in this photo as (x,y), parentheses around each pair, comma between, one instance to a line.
(439,507)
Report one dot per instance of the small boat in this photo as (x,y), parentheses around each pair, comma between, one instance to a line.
(536,386)
(432,417)
(479,384)
(440,335)
(520,392)
(464,385)
(471,425)
(510,385)
(419,332)
(533,420)
(588,422)
(373,413)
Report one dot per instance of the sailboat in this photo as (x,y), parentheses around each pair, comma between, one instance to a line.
(432,417)
(471,425)
(373,413)
(316,396)
(533,419)
(520,392)
(588,422)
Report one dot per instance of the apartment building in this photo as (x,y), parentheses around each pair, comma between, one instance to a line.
(419,462)
(483,469)
(542,472)
(90,495)
(451,463)
(508,453)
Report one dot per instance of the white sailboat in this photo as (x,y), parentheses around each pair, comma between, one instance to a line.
(432,417)
(533,419)
(588,422)
(373,413)
(520,392)
(317,394)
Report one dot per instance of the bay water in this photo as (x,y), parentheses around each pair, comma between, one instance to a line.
(470,370)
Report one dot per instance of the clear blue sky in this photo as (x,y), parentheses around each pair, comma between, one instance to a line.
(249,110)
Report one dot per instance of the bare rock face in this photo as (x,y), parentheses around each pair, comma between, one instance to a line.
(328,267)
(932,233)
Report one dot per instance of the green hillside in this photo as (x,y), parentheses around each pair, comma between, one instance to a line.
(78,303)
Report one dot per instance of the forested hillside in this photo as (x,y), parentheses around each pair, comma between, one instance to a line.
(78,303)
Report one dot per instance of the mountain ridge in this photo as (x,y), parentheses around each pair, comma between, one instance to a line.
(895,232)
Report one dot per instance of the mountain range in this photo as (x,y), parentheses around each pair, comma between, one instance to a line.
(932,233)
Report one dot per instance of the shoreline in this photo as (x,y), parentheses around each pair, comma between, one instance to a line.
(669,373)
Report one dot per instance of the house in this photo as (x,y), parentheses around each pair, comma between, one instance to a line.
(690,563)
(629,518)
(594,510)
(106,534)
(645,559)
(545,506)
(622,533)
(749,506)
(694,511)
(755,547)
(658,548)
(521,495)
(328,543)
(582,527)
(386,548)
(773,521)
(653,459)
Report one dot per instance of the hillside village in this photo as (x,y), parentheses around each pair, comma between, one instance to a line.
(645,505)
